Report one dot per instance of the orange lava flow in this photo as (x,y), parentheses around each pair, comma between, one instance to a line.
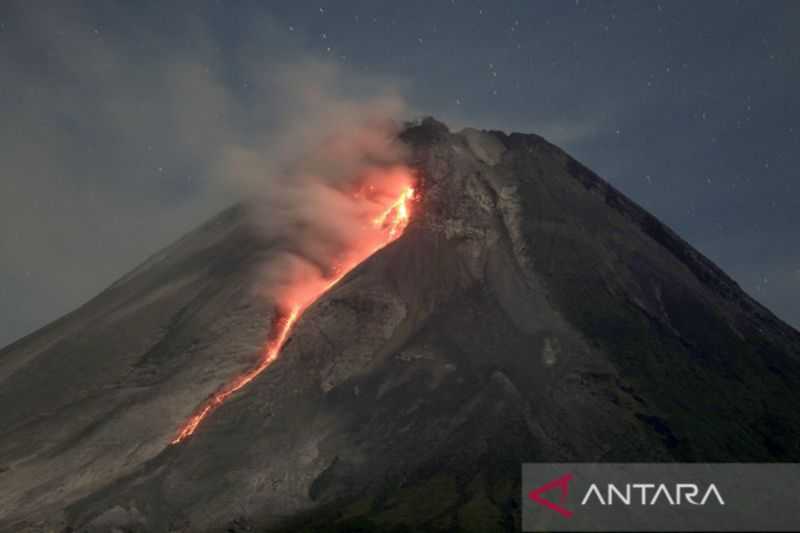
(391,223)
(395,218)
(218,398)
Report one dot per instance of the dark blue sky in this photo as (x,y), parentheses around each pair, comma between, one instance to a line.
(690,108)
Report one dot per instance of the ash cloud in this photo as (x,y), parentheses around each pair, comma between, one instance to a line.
(122,130)
(316,189)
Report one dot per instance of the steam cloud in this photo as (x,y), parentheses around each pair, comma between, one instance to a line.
(117,140)
(317,190)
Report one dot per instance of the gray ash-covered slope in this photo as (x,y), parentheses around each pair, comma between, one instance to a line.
(530,312)
(98,392)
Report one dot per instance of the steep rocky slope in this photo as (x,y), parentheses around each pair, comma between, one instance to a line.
(530,312)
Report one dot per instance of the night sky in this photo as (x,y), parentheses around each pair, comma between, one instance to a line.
(113,115)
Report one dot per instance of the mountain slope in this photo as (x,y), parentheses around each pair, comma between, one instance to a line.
(94,394)
(530,312)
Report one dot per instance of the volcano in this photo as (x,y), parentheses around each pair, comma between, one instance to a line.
(528,312)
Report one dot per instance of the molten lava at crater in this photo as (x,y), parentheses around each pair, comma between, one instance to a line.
(387,214)
(395,218)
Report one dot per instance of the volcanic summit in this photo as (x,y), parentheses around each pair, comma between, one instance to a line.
(528,311)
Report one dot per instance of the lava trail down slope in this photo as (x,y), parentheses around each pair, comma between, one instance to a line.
(528,311)
(391,221)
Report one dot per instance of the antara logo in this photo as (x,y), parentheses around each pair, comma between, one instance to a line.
(561,483)
(645,494)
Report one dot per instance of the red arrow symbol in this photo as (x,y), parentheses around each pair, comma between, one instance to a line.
(560,483)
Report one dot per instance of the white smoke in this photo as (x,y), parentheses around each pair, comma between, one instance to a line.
(116,143)
(314,190)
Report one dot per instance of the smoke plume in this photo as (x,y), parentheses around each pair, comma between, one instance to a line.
(318,189)
(123,130)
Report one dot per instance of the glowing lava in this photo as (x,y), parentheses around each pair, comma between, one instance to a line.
(284,324)
(389,225)
(395,218)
